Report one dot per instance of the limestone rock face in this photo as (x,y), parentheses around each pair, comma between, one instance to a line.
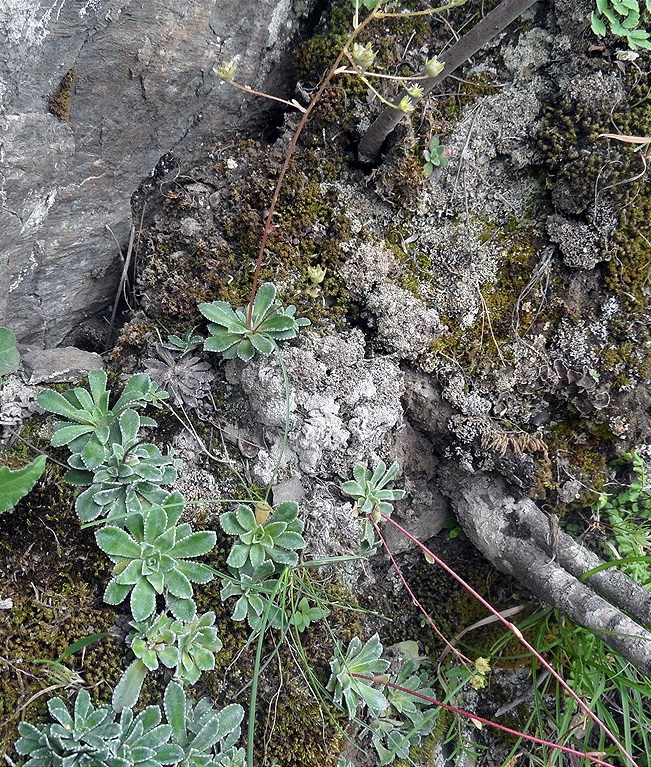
(92,94)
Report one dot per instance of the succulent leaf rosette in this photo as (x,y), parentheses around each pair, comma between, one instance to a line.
(154,557)
(350,691)
(233,336)
(129,477)
(189,647)
(86,429)
(206,736)
(254,591)
(187,735)
(277,538)
(369,489)
(91,737)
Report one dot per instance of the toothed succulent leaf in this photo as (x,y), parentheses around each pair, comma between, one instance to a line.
(150,559)
(233,336)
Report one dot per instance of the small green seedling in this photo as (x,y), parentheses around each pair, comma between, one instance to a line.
(369,489)
(304,615)
(434,156)
(183,344)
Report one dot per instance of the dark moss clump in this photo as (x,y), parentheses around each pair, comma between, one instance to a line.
(60,102)
(292,712)
(447,602)
(580,445)
(54,575)
(582,162)
(182,269)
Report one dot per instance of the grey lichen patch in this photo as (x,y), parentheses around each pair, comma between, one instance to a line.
(403,324)
(342,407)
(578,241)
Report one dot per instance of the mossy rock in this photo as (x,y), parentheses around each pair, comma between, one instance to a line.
(54,574)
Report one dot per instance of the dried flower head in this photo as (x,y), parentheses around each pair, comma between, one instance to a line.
(185,377)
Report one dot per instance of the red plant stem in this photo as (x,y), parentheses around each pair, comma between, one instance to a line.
(268,224)
(467,714)
(516,631)
(429,619)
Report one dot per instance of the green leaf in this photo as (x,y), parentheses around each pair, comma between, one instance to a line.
(80,644)
(219,312)
(9,355)
(195,572)
(178,585)
(290,540)
(230,525)
(59,711)
(127,691)
(194,545)
(16,483)
(93,453)
(129,422)
(183,609)
(115,593)
(56,403)
(238,556)
(264,300)
(66,434)
(155,523)
(117,543)
(245,350)
(143,600)
(278,323)
(283,557)
(262,344)
(220,341)
(174,705)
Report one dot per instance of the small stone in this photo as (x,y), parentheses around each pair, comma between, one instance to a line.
(63,365)
(290,490)
(190,227)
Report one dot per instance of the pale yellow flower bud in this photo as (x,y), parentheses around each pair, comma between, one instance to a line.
(226,70)
(433,67)
(363,56)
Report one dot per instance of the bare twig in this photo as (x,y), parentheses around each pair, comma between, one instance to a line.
(486,29)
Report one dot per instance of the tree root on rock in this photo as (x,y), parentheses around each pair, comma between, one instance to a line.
(514,536)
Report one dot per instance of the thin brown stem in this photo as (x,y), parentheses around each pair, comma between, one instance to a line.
(474,717)
(491,25)
(414,599)
(268,225)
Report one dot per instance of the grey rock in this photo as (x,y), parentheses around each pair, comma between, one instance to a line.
(64,365)
(131,82)
(404,325)
(289,490)
(342,407)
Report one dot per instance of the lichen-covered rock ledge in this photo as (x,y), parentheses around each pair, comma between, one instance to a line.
(92,94)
